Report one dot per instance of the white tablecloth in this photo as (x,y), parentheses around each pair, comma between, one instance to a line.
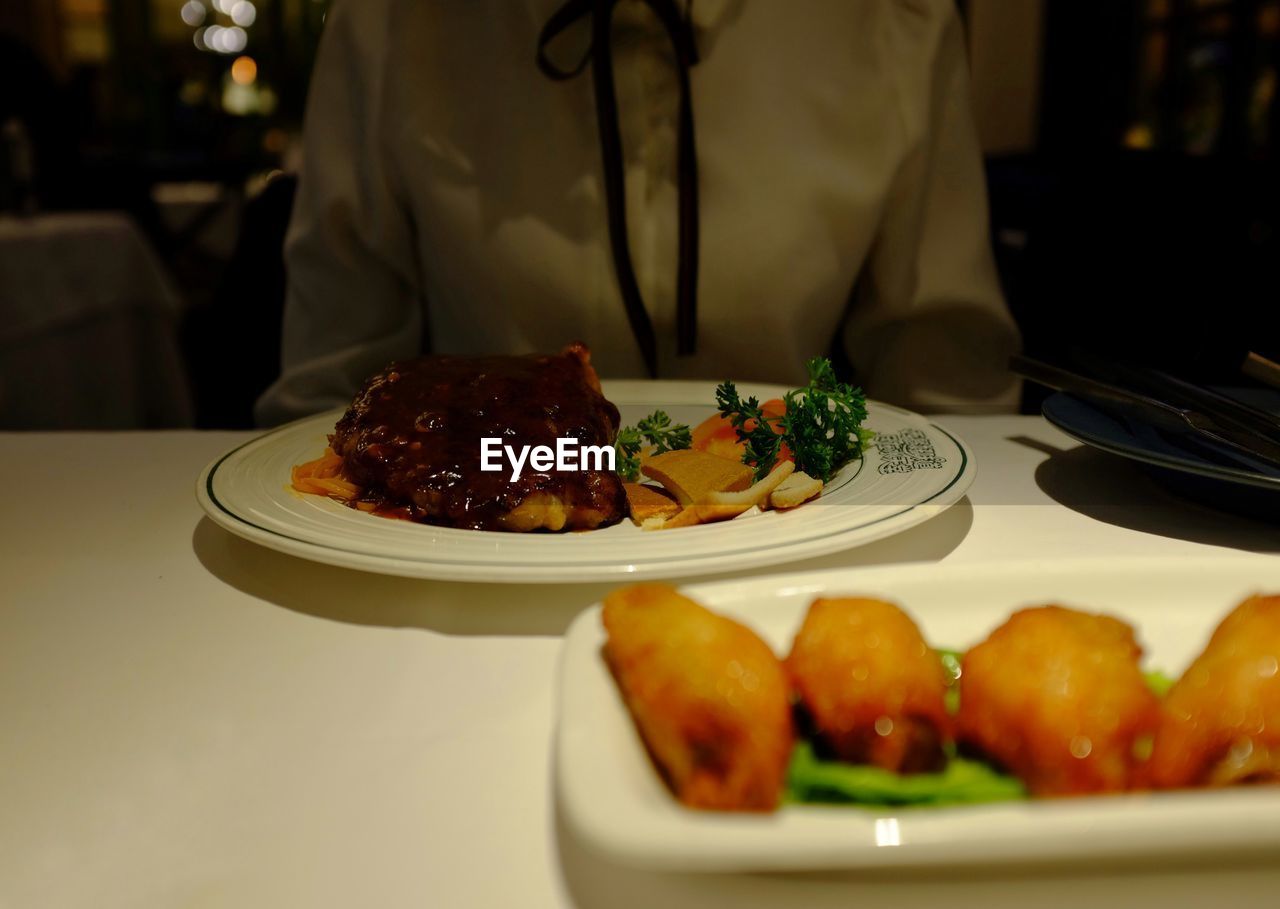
(88,327)
(187,719)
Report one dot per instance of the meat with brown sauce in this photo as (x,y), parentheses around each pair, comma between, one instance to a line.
(412,440)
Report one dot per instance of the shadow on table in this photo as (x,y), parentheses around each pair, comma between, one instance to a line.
(364,598)
(1115,491)
(460,608)
(591,881)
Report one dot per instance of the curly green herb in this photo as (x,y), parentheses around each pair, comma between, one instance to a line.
(762,443)
(655,430)
(822,424)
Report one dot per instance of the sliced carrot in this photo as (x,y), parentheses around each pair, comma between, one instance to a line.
(716,435)
(323,477)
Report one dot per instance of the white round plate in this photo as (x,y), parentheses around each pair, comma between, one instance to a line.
(912,471)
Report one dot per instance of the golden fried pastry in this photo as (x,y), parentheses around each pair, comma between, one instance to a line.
(1057,698)
(1220,723)
(647,502)
(709,697)
(872,687)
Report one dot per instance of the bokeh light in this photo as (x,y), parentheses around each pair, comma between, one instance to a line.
(244,71)
(193,12)
(233,40)
(243,13)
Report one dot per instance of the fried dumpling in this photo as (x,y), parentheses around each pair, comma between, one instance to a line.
(1056,697)
(709,697)
(1220,723)
(872,688)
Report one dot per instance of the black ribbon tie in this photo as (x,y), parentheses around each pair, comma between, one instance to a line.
(600,55)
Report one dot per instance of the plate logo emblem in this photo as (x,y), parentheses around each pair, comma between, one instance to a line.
(907,450)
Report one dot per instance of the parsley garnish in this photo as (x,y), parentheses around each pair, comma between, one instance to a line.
(658,431)
(821,425)
(761,440)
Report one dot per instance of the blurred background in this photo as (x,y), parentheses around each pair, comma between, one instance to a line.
(148,147)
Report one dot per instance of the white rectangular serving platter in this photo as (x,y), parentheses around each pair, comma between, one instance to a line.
(614,802)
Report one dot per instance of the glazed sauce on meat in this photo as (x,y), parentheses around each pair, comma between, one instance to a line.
(412,438)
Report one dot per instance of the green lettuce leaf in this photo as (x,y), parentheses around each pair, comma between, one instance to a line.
(963,782)
(1158,682)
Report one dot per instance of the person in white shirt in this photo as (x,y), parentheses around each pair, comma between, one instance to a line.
(818,189)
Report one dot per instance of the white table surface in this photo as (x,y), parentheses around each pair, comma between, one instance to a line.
(187,719)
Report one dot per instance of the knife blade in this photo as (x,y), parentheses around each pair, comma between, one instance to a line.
(1160,413)
(1174,390)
